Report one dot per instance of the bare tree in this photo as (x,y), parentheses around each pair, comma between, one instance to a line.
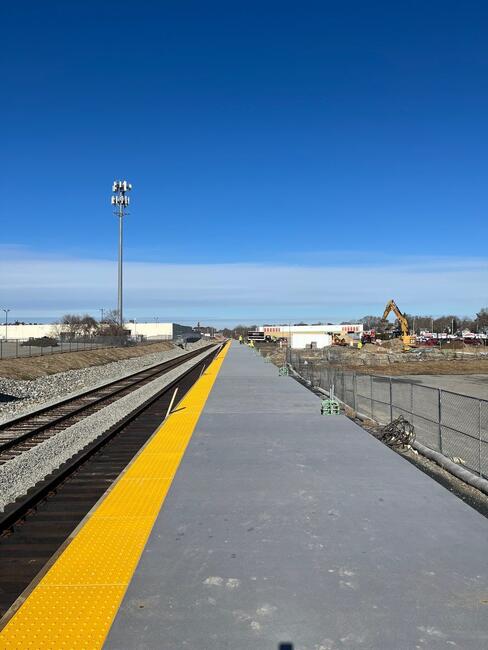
(482,319)
(444,324)
(71,325)
(371,322)
(88,325)
(75,325)
(111,326)
(57,330)
(244,329)
(448,323)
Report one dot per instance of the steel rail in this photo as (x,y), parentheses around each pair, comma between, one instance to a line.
(114,387)
(15,511)
(35,528)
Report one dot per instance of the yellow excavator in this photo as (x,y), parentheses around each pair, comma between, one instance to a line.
(408,341)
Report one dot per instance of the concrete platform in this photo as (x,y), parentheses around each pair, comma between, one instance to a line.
(284,526)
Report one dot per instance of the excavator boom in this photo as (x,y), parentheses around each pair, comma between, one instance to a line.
(391,306)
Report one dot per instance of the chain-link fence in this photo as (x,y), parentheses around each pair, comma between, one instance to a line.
(452,424)
(15,348)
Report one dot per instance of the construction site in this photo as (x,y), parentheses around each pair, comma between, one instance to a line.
(244,326)
(393,349)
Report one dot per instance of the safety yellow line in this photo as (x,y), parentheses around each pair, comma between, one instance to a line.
(74,604)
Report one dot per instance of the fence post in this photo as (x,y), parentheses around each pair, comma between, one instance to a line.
(479,438)
(16,347)
(391,400)
(1,349)
(439,416)
(371,395)
(355,390)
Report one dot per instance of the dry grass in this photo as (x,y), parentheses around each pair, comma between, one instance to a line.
(33,367)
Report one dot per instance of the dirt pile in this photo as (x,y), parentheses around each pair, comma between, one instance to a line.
(457,345)
(372,348)
(393,345)
(384,347)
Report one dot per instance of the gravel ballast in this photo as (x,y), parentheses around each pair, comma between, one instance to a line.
(22,472)
(34,393)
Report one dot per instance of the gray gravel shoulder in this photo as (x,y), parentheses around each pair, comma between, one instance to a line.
(22,472)
(44,391)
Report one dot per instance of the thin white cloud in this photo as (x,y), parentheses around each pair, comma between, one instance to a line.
(35,284)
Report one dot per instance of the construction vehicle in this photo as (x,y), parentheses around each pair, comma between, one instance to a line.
(408,340)
(341,339)
(368,336)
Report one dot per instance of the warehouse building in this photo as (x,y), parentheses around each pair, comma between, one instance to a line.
(162,331)
(311,336)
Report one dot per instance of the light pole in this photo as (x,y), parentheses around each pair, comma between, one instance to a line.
(6,322)
(121,202)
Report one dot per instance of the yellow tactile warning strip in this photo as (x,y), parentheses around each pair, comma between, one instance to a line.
(74,604)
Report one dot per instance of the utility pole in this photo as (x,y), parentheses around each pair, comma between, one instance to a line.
(6,322)
(120,200)
(101,312)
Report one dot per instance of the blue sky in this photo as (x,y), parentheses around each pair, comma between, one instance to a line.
(289,160)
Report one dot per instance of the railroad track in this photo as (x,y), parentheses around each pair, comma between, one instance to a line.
(34,528)
(26,431)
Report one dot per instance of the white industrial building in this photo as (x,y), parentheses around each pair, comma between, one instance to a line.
(147,330)
(150,330)
(311,336)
